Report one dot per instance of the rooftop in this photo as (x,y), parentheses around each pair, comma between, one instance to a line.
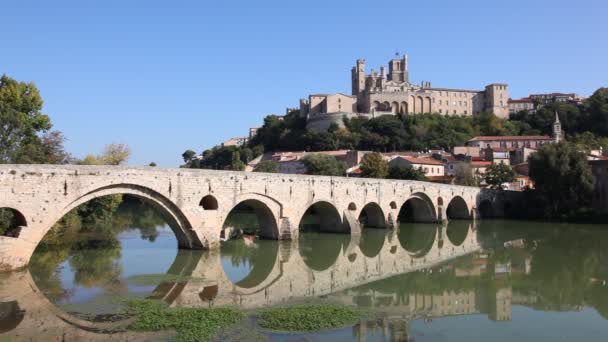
(510,137)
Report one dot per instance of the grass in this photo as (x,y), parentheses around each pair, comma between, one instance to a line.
(305,318)
(190,324)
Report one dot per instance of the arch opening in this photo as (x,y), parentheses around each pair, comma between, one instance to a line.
(11,316)
(352,206)
(103,240)
(458,209)
(457,231)
(371,216)
(417,238)
(209,203)
(250,218)
(393,205)
(11,222)
(323,217)
(418,208)
(321,250)
(371,242)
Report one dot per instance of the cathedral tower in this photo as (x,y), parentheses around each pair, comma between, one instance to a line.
(358,77)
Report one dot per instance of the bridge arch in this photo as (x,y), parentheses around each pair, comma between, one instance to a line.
(266,218)
(372,216)
(14,221)
(418,208)
(176,219)
(323,216)
(458,209)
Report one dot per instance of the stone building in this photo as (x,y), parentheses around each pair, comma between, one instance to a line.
(390,92)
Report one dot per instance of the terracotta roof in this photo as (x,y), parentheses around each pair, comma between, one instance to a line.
(423,160)
(481,163)
(510,137)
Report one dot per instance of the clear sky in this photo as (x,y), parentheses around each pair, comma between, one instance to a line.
(165,76)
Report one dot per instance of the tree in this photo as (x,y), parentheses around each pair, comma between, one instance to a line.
(321,164)
(497,174)
(237,164)
(269,166)
(115,154)
(188,155)
(464,175)
(25,132)
(562,177)
(373,165)
(152,164)
(402,172)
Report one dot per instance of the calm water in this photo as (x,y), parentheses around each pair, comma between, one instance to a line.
(493,280)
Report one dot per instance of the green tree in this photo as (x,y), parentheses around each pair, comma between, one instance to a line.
(464,175)
(497,174)
(188,155)
(237,164)
(321,164)
(402,172)
(269,166)
(25,132)
(152,164)
(562,177)
(373,165)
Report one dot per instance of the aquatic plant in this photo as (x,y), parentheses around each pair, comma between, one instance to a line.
(311,317)
(191,324)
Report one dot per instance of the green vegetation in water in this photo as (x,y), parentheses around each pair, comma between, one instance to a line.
(311,317)
(190,324)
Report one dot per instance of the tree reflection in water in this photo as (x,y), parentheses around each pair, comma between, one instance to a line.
(86,239)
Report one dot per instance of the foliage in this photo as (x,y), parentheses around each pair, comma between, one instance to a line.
(308,317)
(325,165)
(402,172)
(191,324)
(464,175)
(269,166)
(497,174)
(562,178)
(152,164)
(115,154)
(373,165)
(188,155)
(8,221)
(225,158)
(25,132)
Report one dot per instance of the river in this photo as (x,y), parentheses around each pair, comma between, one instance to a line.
(467,281)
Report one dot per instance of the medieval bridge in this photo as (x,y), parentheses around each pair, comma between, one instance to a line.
(197,202)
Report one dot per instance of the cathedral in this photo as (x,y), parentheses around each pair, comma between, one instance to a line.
(390,92)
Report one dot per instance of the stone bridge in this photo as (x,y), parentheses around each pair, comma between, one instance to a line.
(197,202)
(288,275)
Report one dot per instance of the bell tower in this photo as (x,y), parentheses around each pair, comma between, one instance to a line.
(557,129)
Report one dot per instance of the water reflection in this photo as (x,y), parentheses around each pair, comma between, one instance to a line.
(420,273)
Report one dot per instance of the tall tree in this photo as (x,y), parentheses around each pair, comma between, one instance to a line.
(562,177)
(115,154)
(25,132)
(324,165)
(464,175)
(373,165)
(497,174)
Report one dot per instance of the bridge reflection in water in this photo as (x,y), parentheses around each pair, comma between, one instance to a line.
(279,272)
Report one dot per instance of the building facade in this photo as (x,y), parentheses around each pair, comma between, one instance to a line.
(390,92)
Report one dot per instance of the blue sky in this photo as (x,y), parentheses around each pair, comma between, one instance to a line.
(164,76)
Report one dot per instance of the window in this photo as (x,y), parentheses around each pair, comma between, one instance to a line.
(426,170)
(466,112)
(454,112)
(440,111)
(440,102)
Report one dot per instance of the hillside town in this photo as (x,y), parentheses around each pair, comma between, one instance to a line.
(383,93)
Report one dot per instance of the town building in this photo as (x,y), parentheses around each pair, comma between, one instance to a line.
(430,166)
(237,141)
(391,92)
(518,105)
(550,98)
